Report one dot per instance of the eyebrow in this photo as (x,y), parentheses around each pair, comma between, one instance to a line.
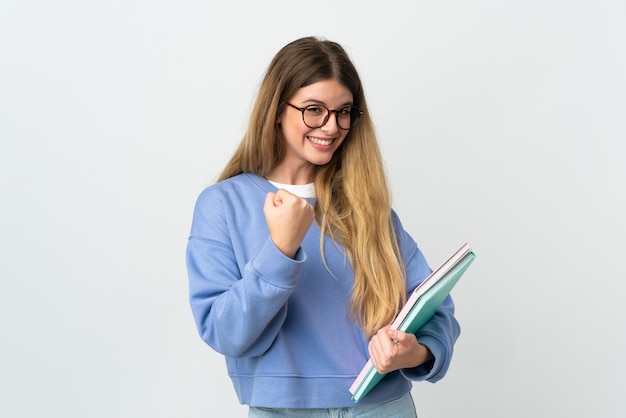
(316,101)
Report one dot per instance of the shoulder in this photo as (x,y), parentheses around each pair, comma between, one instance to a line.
(397,224)
(230,195)
(223,203)
(238,187)
(414,261)
(408,246)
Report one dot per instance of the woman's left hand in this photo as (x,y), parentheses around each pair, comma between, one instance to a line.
(391,350)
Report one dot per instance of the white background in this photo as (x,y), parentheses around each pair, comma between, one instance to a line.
(502,123)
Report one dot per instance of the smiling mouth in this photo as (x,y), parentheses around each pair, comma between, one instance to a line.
(319,141)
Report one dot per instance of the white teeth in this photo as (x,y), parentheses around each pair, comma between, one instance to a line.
(320,141)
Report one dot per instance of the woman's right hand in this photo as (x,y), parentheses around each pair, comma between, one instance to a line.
(288,219)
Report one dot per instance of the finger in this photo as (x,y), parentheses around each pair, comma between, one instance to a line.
(279,197)
(382,343)
(380,354)
(373,352)
(404,341)
(386,335)
(283,196)
(396,336)
(273,199)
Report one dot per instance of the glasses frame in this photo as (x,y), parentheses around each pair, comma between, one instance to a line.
(352,124)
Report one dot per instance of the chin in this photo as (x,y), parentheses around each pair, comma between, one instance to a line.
(320,162)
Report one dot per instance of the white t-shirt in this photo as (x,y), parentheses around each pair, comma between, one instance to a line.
(303,191)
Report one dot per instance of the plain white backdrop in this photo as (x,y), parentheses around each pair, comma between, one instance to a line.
(501,123)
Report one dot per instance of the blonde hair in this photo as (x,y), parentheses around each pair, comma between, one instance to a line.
(353,204)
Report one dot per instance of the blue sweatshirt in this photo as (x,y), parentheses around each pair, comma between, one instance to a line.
(283,324)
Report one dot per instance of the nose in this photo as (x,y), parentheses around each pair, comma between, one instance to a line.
(331,124)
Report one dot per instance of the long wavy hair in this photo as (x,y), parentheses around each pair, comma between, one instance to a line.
(353,204)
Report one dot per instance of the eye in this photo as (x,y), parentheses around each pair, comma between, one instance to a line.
(315,110)
(345,112)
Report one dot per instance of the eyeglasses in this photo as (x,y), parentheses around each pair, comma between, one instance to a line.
(315,116)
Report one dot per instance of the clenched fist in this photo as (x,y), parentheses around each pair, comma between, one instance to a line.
(288,219)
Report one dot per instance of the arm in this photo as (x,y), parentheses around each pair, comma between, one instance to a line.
(239,313)
(427,354)
(240,280)
(439,335)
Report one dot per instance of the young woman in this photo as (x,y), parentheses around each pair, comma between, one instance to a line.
(298,264)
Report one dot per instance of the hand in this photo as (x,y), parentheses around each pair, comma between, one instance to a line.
(288,219)
(391,350)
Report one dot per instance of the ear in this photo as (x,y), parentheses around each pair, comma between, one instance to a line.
(281,112)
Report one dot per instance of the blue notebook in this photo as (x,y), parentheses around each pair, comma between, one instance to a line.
(419,308)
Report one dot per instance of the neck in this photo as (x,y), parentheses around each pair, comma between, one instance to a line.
(303,175)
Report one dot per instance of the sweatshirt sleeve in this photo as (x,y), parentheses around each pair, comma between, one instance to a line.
(238,310)
(440,333)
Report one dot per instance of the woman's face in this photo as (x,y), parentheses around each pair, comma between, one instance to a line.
(307,147)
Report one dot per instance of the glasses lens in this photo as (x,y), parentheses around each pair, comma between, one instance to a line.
(344,118)
(315,116)
(348,117)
